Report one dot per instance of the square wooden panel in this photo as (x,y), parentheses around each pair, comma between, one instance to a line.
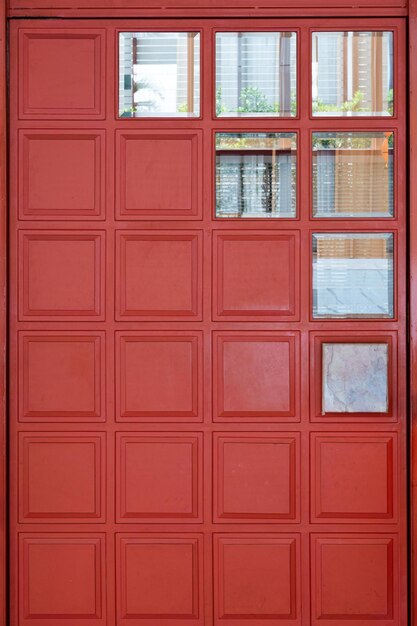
(354,579)
(61,274)
(61,174)
(353,379)
(61,578)
(258,579)
(159,376)
(353,477)
(61,376)
(159,477)
(256,275)
(61,73)
(61,477)
(159,275)
(160,579)
(256,477)
(256,376)
(159,174)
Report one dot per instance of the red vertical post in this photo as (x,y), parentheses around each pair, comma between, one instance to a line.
(413,295)
(3,256)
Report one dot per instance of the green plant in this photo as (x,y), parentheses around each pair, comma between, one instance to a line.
(355,104)
(127,112)
(390,98)
(253,100)
(220,107)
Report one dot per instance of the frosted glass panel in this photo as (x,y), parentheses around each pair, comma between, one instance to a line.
(353,174)
(256,174)
(352,73)
(159,74)
(256,74)
(353,275)
(355,377)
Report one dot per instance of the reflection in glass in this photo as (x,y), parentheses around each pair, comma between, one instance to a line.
(256,74)
(355,377)
(159,74)
(256,174)
(353,275)
(352,73)
(353,174)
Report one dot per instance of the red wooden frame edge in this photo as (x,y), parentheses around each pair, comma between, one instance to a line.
(412,286)
(413,303)
(3,256)
(207,8)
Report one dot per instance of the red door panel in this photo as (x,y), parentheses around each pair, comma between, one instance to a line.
(189,443)
(62,174)
(160,578)
(256,477)
(61,274)
(158,275)
(151,169)
(240,393)
(61,477)
(267,567)
(48,93)
(242,288)
(361,564)
(149,488)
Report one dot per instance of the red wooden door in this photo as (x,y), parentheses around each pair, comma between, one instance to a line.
(208,409)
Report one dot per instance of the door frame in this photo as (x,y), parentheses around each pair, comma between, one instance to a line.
(3,312)
(319,8)
(412,322)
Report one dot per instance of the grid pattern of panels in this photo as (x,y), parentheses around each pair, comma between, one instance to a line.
(183,449)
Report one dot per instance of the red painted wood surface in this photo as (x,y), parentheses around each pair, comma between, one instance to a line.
(151,483)
(207,8)
(413,303)
(3,318)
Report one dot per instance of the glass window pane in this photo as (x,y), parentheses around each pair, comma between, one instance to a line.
(159,74)
(352,73)
(353,275)
(256,174)
(355,378)
(256,74)
(353,174)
